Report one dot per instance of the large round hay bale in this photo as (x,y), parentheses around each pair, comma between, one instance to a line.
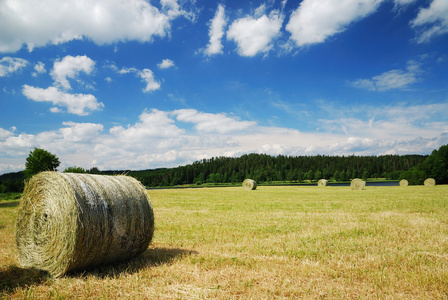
(70,221)
(403,182)
(429,182)
(249,184)
(357,184)
(322,182)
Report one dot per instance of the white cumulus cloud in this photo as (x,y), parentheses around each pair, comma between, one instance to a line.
(10,65)
(157,139)
(207,122)
(166,64)
(39,68)
(432,21)
(152,124)
(316,20)
(38,23)
(256,34)
(148,77)
(216,32)
(69,68)
(79,104)
(80,132)
(393,79)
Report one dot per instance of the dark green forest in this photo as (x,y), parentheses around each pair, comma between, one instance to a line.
(266,169)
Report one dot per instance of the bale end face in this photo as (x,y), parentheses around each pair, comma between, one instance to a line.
(322,182)
(357,184)
(429,182)
(403,182)
(249,184)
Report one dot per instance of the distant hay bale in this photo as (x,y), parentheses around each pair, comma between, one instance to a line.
(403,182)
(71,221)
(249,184)
(429,182)
(322,182)
(357,184)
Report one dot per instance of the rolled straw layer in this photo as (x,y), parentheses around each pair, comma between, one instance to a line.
(322,182)
(403,182)
(70,221)
(357,184)
(249,184)
(429,182)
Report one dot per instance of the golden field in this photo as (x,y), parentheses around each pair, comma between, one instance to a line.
(271,243)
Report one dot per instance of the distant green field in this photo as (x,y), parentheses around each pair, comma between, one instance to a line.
(10,196)
(273,242)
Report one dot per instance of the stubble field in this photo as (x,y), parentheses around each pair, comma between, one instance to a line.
(271,243)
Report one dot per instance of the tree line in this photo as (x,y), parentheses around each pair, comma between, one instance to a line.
(262,168)
(265,168)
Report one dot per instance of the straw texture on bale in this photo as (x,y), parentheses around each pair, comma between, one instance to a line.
(70,221)
(357,184)
(429,182)
(322,182)
(403,182)
(249,184)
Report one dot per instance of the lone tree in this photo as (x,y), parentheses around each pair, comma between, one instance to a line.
(40,160)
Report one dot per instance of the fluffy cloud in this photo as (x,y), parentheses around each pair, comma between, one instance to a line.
(255,34)
(4,134)
(79,104)
(403,2)
(393,79)
(127,70)
(80,132)
(148,77)
(316,20)
(67,68)
(10,65)
(212,123)
(39,68)
(154,124)
(387,122)
(161,139)
(70,67)
(103,21)
(216,32)
(166,64)
(432,21)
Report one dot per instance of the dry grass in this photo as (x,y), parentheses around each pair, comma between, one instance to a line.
(277,242)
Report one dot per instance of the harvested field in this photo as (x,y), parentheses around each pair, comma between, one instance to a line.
(275,242)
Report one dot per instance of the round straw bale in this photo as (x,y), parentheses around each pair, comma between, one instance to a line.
(357,184)
(403,182)
(249,184)
(70,221)
(429,182)
(322,182)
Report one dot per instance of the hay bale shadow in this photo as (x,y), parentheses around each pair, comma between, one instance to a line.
(15,277)
(152,257)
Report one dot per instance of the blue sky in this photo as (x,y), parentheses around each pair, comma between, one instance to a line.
(144,84)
